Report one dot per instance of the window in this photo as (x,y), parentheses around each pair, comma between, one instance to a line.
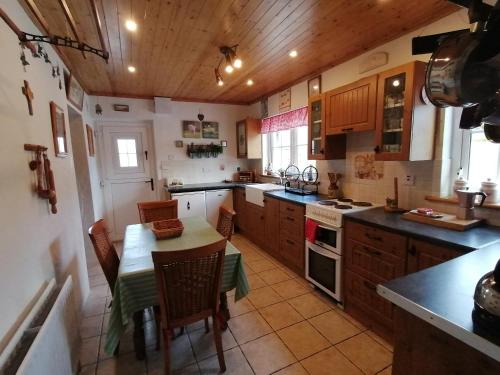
(285,147)
(127,154)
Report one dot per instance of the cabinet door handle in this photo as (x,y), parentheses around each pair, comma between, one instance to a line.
(290,218)
(369,285)
(151,181)
(371,251)
(262,218)
(377,149)
(322,151)
(347,129)
(373,238)
(412,250)
(188,205)
(290,242)
(290,209)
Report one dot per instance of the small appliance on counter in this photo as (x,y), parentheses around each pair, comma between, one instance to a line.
(489,187)
(486,313)
(466,201)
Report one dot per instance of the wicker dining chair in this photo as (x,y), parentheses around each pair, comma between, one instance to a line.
(189,283)
(225,222)
(157,210)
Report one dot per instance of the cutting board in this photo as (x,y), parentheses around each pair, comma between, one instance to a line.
(448,221)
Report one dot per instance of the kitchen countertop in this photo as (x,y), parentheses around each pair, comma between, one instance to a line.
(468,240)
(443,296)
(204,186)
(295,198)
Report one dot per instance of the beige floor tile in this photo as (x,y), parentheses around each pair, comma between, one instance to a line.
(380,340)
(88,370)
(261,265)
(274,276)
(267,354)
(204,344)
(240,307)
(99,291)
(255,281)
(236,364)
(94,306)
(334,327)
(105,323)
(386,371)
(95,270)
(295,369)
(155,362)
(366,353)
(280,315)
(303,340)
(88,350)
(329,362)
(96,280)
(126,345)
(122,365)
(248,270)
(351,319)
(91,326)
(308,305)
(194,326)
(290,288)
(264,297)
(248,327)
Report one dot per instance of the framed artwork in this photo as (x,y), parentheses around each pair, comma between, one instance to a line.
(191,129)
(264,111)
(74,92)
(314,86)
(210,129)
(179,144)
(121,107)
(90,140)
(285,100)
(58,130)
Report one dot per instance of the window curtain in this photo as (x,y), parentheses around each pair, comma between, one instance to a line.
(283,121)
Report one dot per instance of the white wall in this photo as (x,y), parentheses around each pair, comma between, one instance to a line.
(35,244)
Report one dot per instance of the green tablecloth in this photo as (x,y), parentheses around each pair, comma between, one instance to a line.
(135,288)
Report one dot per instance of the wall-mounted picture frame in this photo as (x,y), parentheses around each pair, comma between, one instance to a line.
(179,144)
(121,108)
(210,129)
(285,100)
(59,134)
(74,92)
(223,143)
(314,86)
(191,129)
(90,139)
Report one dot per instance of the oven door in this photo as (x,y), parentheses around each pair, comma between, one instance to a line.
(323,268)
(329,238)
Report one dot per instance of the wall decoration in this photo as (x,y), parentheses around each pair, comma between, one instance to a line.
(210,129)
(264,110)
(179,144)
(74,92)
(223,143)
(191,129)
(58,130)
(26,90)
(121,107)
(366,168)
(314,86)
(90,139)
(285,100)
(203,151)
(45,185)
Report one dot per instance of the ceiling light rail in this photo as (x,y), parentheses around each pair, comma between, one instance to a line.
(231,62)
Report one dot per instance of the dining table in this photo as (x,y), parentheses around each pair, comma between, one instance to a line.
(135,288)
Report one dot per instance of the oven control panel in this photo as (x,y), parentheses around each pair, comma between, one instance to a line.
(325,216)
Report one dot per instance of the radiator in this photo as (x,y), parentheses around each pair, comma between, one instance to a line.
(49,343)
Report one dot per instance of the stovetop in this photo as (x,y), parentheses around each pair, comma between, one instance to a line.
(330,211)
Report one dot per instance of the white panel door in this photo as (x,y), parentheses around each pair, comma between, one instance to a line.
(215,199)
(190,204)
(128,174)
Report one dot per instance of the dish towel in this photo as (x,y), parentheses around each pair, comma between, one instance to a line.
(311,227)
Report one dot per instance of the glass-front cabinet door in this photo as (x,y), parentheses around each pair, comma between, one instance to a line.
(316,148)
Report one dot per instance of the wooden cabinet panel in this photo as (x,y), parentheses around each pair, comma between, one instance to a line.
(292,242)
(422,255)
(255,223)
(248,139)
(392,243)
(272,225)
(352,107)
(239,205)
(372,263)
(292,249)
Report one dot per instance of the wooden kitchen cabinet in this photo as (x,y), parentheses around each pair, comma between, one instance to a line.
(422,255)
(272,225)
(351,108)
(248,136)
(239,203)
(405,125)
(292,240)
(320,146)
(255,223)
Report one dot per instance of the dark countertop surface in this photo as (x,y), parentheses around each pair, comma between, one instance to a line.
(443,296)
(204,186)
(468,240)
(295,198)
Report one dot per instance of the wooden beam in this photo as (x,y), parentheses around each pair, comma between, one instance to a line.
(38,15)
(97,19)
(15,29)
(71,21)
(174,99)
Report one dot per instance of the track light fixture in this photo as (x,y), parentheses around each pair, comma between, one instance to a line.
(231,62)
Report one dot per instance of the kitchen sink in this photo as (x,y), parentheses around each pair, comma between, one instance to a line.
(255,192)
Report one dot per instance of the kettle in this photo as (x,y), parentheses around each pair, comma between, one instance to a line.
(466,201)
(486,313)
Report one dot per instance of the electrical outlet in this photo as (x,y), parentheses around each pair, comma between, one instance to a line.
(409,180)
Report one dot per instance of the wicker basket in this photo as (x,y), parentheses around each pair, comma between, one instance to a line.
(170,228)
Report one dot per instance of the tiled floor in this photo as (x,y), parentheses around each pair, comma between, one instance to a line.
(282,327)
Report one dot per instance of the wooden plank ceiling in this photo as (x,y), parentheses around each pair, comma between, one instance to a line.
(175,48)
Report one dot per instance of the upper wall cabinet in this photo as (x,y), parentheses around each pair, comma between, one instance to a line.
(352,108)
(249,139)
(321,146)
(405,125)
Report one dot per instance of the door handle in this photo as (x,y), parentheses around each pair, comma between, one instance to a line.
(347,129)
(188,205)
(369,285)
(146,154)
(151,181)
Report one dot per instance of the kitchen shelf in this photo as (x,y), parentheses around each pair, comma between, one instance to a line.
(317,122)
(393,130)
(394,107)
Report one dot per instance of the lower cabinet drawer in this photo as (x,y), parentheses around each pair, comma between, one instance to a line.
(361,294)
(292,249)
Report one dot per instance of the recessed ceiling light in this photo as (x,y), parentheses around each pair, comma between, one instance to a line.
(293,53)
(249,82)
(131,25)
(131,69)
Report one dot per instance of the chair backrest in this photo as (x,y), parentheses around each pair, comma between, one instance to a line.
(188,283)
(157,210)
(225,222)
(105,251)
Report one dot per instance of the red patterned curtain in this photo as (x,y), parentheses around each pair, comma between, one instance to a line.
(284,121)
